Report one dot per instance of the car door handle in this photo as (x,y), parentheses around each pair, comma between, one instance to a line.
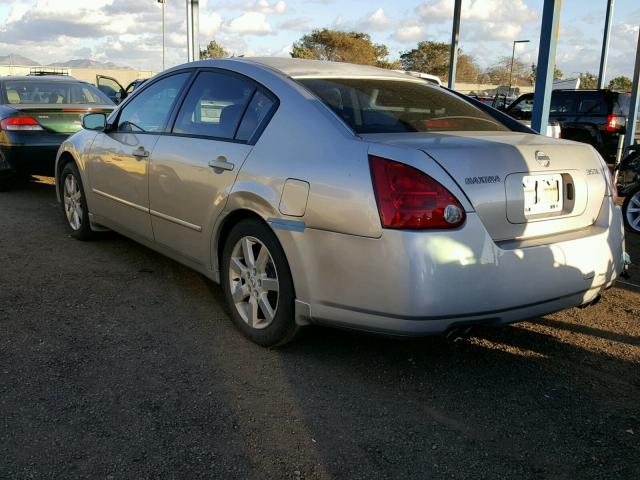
(140,153)
(221,163)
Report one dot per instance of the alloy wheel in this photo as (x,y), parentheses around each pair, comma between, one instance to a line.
(253,280)
(72,197)
(633,212)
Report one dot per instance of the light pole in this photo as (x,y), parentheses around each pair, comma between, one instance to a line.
(162,2)
(513,54)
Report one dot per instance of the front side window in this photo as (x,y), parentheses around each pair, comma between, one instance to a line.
(26,92)
(150,110)
(522,110)
(214,106)
(373,105)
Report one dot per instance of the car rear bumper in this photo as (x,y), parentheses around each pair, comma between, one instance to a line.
(30,153)
(414,283)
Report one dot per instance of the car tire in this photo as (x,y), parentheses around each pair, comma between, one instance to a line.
(257,284)
(630,215)
(74,204)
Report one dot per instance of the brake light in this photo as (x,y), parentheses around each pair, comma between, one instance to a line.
(613,122)
(410,199)
(20,123)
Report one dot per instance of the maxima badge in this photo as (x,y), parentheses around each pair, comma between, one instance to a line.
(542,158)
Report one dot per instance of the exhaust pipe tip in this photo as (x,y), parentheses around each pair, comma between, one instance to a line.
(458,334)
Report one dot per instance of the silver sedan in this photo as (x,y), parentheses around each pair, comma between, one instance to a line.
(346,195)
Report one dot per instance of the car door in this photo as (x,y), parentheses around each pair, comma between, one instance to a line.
(111,88)
(119,163)
(194,168)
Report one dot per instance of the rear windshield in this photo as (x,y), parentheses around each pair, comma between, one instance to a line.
(621,104)
(389,106)
(23,92)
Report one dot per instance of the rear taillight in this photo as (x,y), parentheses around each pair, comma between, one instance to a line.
(410,199)
(21,123)
(613,123)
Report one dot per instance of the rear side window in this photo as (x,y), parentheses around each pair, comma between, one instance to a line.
(149,110)
(257,113)
(562,104)
(25,92)
(621,104)
(214,106)
(386,105)
(592,103)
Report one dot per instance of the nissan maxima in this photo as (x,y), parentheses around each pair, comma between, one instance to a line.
(346,195)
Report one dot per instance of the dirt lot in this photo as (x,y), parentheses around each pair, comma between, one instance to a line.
(118,363)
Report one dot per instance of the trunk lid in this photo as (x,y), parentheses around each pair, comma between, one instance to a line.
(520,185)
(65,119)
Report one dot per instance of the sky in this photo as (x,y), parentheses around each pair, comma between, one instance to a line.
(128,32)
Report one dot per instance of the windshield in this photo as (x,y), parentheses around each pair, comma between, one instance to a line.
(23,92)
(389,106)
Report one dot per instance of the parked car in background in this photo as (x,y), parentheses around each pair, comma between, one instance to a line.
(37,113)
(114,90)
(596,117)
(346,195)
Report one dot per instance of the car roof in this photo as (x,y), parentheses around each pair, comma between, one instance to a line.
(302,68)
(41,78)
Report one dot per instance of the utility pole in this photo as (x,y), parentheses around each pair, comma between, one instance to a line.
(605,44)
(193,45)
(513,54)
(162,2)
(453,55)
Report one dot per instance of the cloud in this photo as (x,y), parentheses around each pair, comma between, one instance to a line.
(296,24)
(375,21)
(250,23)
(409,31)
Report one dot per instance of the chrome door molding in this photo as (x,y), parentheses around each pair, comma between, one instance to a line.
(120,200)
(169,218)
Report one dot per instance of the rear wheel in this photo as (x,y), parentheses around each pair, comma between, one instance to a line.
(257,284)
(631,210)
(74,205)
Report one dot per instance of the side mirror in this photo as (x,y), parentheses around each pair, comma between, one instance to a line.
(94,121)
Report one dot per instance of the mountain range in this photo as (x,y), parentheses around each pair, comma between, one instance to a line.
(14,59)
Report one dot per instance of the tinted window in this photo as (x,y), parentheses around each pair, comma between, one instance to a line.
(256,114)
(20,92)
(522,110)
(214,105)
(621,104)
(385,106)
(592,103)
(149,110)
(562,104)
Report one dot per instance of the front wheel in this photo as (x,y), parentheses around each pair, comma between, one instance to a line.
(631,210)
(74,204)
(257,284)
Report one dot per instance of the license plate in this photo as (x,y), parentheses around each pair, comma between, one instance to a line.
(542,194)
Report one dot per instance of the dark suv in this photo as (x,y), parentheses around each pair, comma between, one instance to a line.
(596,117)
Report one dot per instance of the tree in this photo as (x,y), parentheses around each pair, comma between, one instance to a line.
(338,46)
(622,83)
(433,58)
(557,74)
(500,72)
(588,81)
(213,50)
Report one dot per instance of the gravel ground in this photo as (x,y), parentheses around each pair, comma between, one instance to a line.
(116,362)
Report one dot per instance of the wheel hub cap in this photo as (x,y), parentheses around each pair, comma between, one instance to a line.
(72,198)
(253,280)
